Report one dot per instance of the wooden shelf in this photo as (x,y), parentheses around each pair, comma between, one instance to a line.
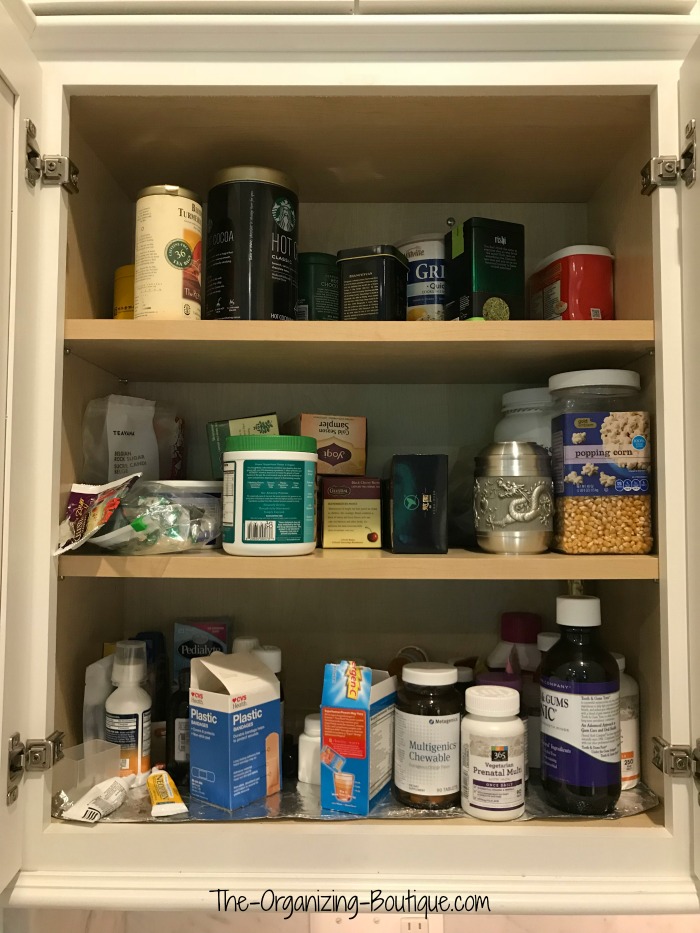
(354,352)
(362,565)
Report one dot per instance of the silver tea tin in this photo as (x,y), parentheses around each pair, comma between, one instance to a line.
(513,498)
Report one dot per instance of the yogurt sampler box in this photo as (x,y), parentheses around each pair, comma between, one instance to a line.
(357,736)
(234,730)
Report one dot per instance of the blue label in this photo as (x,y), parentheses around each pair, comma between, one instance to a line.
(601,454)
(229,753)
(580,732)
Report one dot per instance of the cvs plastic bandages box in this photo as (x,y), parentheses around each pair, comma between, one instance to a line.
(357,736)
(234,730)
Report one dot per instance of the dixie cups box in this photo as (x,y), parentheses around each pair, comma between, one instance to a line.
(357,736)
(234,730)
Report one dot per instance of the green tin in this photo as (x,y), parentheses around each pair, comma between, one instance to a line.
(485,270)
(318,288)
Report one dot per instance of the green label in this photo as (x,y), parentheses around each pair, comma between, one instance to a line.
(278,502)
(284,214)
(228,502)
(178,254)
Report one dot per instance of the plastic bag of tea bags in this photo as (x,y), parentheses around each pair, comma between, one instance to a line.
(123,435)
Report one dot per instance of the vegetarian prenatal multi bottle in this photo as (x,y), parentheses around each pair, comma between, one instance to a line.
(580,694)
(494,739)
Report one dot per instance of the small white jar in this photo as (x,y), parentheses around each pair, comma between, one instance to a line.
(629,725)
(527,416)
(269,498)
(493,754)
(309,770)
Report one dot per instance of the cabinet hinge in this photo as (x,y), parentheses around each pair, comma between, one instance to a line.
(664,171)
(676,760)
(50,169)
(35,755)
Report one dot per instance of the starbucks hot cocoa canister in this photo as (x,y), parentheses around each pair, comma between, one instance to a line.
(251,265)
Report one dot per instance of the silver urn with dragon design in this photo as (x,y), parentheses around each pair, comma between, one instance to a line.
(513,498)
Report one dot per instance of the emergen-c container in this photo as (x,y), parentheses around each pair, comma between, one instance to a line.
(574,284)
(168,254)
(252,226)
(269,495)
(425,297)
(373,281)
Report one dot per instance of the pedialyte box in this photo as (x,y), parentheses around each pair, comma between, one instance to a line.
(357,736)
(234,730)
(198,638)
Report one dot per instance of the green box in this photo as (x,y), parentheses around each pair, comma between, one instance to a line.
(218,431)
(485,271)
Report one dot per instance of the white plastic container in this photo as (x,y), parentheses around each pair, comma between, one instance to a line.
(309,769)
(269,498)
(629,725)
(527,416)
(493,754)
(98,686)
(128,710)
(243,643)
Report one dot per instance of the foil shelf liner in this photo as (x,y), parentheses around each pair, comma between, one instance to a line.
(299,801)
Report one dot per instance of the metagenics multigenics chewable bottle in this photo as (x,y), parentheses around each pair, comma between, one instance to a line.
(493,754)
(426,736)
(580,692)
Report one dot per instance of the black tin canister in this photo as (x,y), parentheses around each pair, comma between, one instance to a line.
(251,262)
(373,283)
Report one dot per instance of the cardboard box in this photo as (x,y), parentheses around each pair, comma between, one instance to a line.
(219,431)
(235,737)
(351,511)
(342,441)
(357,736)
(485,270)
(198,638)
(416,508)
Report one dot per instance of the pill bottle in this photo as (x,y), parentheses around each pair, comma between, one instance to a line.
(545,640)
(601,463)
(527,416)
(269,499)
(629,725)
(493,754)
(580,692)
(243,643)
(513,682)
(178,730)
(426,736)
(310,750)
(465,677)
(128,710)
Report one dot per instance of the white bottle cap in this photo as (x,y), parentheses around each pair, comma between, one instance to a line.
(492,701)
(546,640)
(578,611)
(620,658)
(129,663)
(465,674)
(595,377)
(429,674)
(243,643)
(270,655)
(312,724)
(526,398)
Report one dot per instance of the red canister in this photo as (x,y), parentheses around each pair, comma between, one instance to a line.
(575,284)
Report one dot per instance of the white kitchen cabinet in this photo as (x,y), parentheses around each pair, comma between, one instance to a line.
(391,124)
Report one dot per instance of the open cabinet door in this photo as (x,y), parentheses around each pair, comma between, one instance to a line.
(689,108)
(20,95)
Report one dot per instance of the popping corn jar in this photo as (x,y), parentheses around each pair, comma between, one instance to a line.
(601,461)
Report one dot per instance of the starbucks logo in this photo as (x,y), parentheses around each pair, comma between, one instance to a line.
(284,214)
(178,254)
